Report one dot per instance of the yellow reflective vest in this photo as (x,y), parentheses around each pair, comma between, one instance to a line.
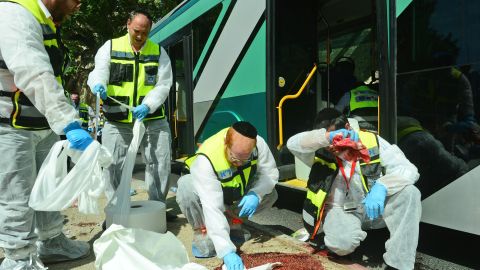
(323,173)
(363,97)
(84,114)
(235,181)
(132,76)
(24,114)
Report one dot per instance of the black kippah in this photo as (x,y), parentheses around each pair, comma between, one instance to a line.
(246,129)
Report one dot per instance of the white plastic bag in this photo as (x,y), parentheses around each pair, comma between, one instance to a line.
(119,204)
(129,248)
(55,190)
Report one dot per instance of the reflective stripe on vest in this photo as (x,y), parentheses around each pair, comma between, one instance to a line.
(324,170)
(83,114)
(317,199)
(373,170)
(132,76)
(363,97)
(24,114)
(234,181)
(322,175)
(404,132)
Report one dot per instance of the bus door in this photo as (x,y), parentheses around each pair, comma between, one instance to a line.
(180,100)
(332,54)
(294,57)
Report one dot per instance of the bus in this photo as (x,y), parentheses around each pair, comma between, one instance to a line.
(277,63)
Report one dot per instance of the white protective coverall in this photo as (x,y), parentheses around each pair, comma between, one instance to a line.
(200,196)
(116,137)
(345,230)
(27,67)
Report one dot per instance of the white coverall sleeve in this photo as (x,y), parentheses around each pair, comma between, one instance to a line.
(267,173)
(210,192)
(159,93)
(399,171)
(304,144)
(22,49)
(101,73)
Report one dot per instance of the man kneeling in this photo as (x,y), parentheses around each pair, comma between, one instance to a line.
(232,171)
(347,196)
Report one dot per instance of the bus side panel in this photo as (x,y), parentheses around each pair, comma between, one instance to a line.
(244,96)
(241,28)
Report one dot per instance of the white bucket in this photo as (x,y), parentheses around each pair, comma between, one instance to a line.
(147,215)
(302,170)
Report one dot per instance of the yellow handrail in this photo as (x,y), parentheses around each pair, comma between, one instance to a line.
(280,104)
(378,114)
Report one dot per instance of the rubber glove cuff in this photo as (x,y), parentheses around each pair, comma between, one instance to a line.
(140,111)
(249,204)
(73,125)
(79,139)
(233,261)
(375,200)
(99,88)
(345,133)
(380,189)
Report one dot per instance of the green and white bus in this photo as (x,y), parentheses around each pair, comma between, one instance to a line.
(277,63)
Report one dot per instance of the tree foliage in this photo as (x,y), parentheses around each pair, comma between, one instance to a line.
(96,22)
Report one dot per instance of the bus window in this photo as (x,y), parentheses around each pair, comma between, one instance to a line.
(352,61)
(202,33)
(346,51)
(438,89)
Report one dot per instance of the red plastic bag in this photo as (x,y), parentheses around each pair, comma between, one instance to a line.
(350,150)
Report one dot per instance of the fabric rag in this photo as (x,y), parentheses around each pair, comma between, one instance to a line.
(350,150)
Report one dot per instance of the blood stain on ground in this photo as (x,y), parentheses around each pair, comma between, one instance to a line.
(300,261)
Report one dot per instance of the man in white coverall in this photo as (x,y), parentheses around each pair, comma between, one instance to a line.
(233,168)
(33,110)
(371,195)
(137,72)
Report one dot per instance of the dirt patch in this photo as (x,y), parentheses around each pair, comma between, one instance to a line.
(289,261)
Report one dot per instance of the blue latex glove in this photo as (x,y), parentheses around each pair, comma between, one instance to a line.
(233,261)
(140,111)
(100,89)
(375,201)
(464,125)
(79,139)
(346,133)
(249,204)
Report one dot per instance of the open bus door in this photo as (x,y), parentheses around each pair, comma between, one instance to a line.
(310,42)
(180,101)
(293,50)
